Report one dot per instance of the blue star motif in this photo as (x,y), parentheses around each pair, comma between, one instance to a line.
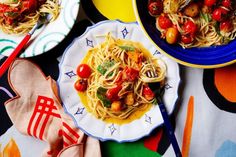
(148,119)
(156,53)
(79,111)
(124,32)
(89,42)
(112,129)
(167,86)
(70,74)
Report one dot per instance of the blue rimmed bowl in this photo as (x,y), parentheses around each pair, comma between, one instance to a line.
(208,57)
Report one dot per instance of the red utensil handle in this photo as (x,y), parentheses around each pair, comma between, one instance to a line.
(14,54)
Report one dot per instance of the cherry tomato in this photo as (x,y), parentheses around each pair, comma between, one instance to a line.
(190,27)
(209,3)
(155,8)
(83,71)
(81,85)
(187,39)
(112,94)
(164,22)
(226,3)
(172,35)
(148,93)
(226,26)
(130,74)
(219,14)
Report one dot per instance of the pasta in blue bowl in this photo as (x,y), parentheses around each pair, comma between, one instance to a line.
(203,38)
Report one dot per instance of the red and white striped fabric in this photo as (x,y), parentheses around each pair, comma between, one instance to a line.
(36,111)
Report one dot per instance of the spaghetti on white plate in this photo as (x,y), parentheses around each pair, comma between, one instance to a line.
(118,85)
(19,16)
(201,23)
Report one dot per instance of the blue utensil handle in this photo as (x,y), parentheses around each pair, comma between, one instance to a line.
(170,130)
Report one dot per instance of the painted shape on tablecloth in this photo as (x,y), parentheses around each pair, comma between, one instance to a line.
(188,128)
(10,150)
(225,81)
(227,149)
(153,143)
(220,87)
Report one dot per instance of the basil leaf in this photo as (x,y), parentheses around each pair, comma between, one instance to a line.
(127,48)
(101,94)
(105,66)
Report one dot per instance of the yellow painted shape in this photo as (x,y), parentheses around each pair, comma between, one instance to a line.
(116,9)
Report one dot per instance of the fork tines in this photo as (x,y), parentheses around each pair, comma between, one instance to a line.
(151,74)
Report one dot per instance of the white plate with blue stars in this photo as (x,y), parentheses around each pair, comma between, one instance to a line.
(86,121)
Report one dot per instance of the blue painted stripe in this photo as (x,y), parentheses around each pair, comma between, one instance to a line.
(7,40)
(5,49)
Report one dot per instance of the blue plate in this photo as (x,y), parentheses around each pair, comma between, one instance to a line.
(208,57)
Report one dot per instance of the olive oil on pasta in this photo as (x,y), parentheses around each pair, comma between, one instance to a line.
(136,114)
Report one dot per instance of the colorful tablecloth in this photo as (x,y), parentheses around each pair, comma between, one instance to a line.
(203,117)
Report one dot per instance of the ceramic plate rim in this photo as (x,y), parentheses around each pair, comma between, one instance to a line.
(67,18)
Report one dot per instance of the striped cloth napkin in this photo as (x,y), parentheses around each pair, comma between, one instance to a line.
(36,111)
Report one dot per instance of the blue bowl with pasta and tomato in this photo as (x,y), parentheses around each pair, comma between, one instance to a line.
(200,34)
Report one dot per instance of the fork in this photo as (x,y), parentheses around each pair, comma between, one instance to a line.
(42,20)
(184,4)
(159,91)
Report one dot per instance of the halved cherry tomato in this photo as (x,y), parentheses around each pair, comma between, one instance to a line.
(187,39)
(81,85)
(155,8)
(130,74)
(210,3)
(164,22)
(119,79)
(83,71)
(29,5)
(190,27)
(226,3)
(112,94)
(219,14)
(226,26)
(148,93)
(172,35)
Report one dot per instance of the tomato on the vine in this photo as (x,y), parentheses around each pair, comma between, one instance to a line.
(164,22)
(155,8)
(83,71)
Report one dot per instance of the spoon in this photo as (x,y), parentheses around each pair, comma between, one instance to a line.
(42,20)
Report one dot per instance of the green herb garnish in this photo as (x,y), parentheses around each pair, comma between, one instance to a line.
(101,94)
